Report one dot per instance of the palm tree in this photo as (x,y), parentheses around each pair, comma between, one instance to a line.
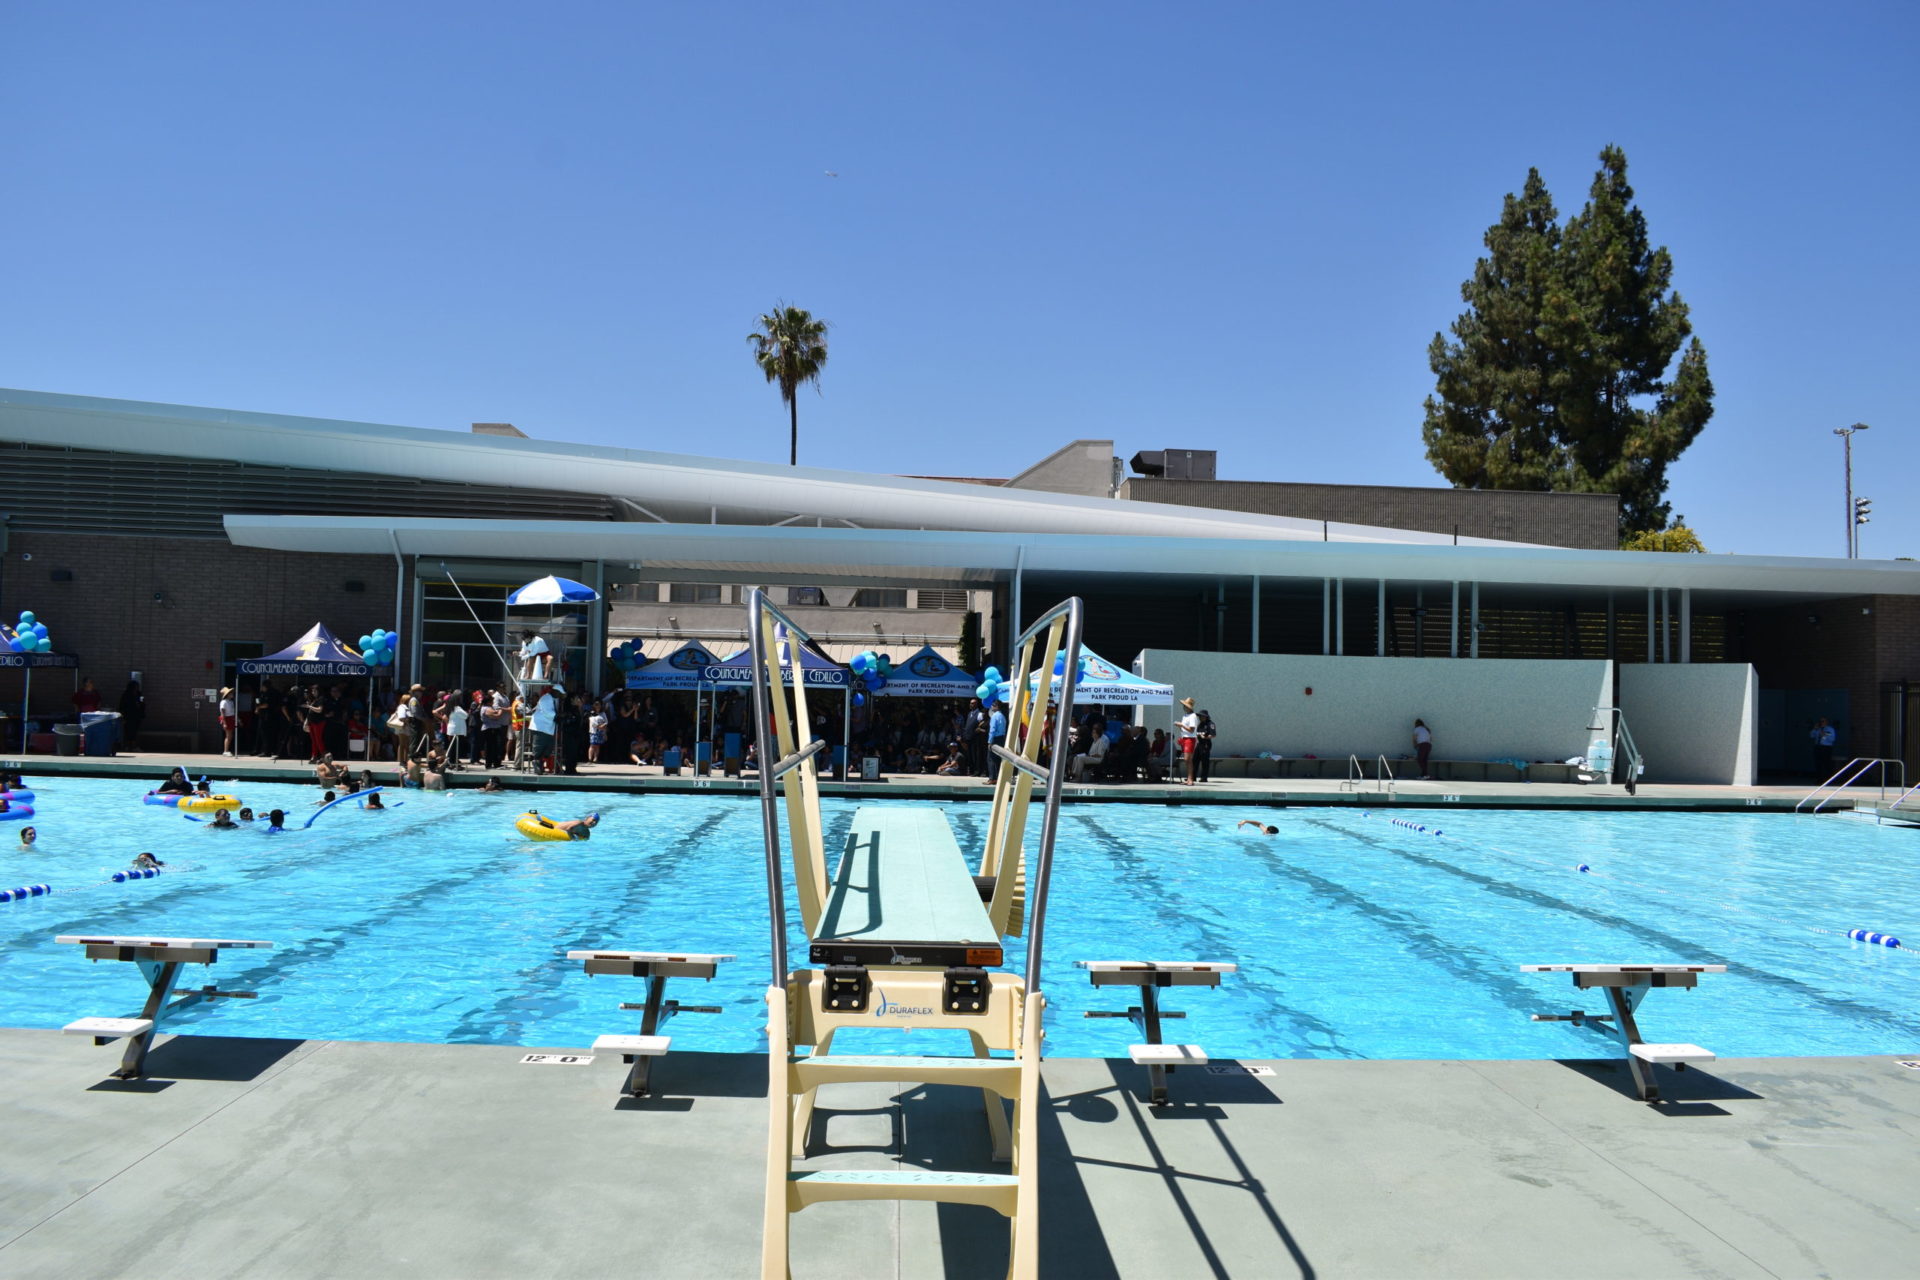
(791,352)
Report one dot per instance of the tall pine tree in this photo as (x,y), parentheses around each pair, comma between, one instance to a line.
(1554,378)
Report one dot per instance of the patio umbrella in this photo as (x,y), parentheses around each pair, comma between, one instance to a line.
(552,590)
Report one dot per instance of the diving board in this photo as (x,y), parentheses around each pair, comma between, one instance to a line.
(904,896)
(904,932)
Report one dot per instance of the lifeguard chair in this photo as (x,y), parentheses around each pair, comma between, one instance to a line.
(905,934)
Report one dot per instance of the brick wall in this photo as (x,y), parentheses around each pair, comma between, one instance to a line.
(210,592)
(1856,644)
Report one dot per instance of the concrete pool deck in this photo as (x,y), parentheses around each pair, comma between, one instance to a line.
(297,1159)
(150,768)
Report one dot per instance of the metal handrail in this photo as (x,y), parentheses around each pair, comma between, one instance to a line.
(1355,774)
(1902,797)
(1836,784)
(1385,773)
(1074,612)
(758,609)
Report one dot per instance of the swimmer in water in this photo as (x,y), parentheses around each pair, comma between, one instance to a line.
(1258,826)
(223,821)
(175,785)
(578,828)
(246,815)
(201,788)
(147,862)
(276,821)
(373,802)
(27,836)
(325,799)
(492,784)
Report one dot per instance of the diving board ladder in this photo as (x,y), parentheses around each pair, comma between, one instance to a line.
(903,934)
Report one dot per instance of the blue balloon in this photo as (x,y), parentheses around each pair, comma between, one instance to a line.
(46,645)
(26,617)
(985,691)
(366,643)
(991,675)
(876,681)
(16,645)
(40,629)
(859,699)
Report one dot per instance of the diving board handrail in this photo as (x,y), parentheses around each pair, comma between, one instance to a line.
(779,721)
(1024,765)
(1063,625)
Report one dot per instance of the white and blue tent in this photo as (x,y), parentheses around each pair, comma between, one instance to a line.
(928,675)
(1107,685)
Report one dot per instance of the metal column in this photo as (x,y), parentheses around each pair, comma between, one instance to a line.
(1473,624)
(1453,624)
(1380,621)
(1256,613)
(1340,616)
(1686,624)
(1326,616)
(1650,624)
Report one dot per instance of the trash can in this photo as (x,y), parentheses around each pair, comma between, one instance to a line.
(66,739)
(99,732)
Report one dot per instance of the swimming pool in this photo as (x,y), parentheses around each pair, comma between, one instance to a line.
(1356,937)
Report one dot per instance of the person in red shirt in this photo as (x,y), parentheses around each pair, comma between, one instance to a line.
(86,698)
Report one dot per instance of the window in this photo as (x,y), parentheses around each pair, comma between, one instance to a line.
(806,595)
(694,593)
(635,593)
(953,601)
(880,598)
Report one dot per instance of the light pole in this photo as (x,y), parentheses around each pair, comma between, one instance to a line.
(1846,440)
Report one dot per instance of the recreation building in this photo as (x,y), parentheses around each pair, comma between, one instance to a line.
(175,541)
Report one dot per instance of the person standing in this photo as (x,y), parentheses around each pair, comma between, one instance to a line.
(229,717)
(1823,737)
(1422,747)
(973,736)
(1203,746)
(456,730)
(996,732)
(545,722)
(133,710)
(1188,737)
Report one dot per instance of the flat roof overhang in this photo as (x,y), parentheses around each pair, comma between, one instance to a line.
(800,553)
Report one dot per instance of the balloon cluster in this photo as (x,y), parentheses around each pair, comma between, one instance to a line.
(626,656)
(377,649)
(990,687)
(29,637)
(872,667)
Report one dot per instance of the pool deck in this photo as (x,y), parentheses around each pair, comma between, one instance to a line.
(151,767)
(248,1158)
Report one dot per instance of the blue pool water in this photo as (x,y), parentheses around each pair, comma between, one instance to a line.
(1355,937)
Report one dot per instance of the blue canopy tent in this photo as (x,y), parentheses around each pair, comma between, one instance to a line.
(817,671)
(684,670)
(928,675)
(318,653)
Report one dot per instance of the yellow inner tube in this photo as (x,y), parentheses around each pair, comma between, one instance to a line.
(207,804)
(535,827)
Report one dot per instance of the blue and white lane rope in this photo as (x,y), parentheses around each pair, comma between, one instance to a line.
(1870,936)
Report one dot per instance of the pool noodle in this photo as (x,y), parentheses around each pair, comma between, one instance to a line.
(357,795)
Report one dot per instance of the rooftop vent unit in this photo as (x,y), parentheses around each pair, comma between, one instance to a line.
(1176,464)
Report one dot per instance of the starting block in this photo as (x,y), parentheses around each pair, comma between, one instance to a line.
(159,960)
(1626,986)
(1155,1055)
(656,967)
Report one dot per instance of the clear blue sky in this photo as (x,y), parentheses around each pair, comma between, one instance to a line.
(1219,226)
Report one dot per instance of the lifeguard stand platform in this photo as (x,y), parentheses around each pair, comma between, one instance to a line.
(904,933)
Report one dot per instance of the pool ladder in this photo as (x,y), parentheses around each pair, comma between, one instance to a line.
(1357,774)
(1851,772)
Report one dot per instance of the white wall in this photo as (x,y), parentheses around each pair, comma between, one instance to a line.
(1693,722)
(1485,709)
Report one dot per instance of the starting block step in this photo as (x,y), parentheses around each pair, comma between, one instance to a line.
(1670,1054)
(638,1046)
(108,1028)
(1167,1055)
